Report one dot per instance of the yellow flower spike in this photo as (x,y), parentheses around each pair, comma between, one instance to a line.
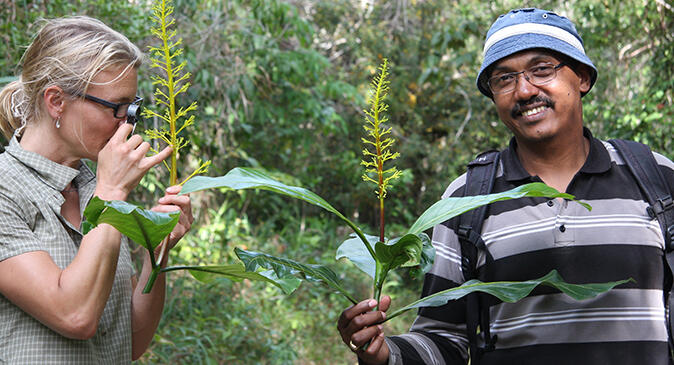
(173,82)
(379,141)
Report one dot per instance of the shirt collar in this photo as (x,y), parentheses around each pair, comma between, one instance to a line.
(598,160)
(49,172)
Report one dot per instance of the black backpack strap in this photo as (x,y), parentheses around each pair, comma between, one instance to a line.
(639,159)
(479,181)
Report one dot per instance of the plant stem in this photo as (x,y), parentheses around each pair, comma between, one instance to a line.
(171,97)
(151,279)
(156,265)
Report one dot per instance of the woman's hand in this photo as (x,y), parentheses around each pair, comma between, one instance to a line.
(122,163)
(359,325)
(172,202)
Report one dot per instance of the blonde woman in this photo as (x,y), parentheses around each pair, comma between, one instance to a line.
(69,298)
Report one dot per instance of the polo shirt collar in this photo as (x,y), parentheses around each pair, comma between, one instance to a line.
(55,175)
(598,160)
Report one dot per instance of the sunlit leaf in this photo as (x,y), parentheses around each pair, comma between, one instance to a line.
(237,272)
(250,178)
(512,291)
(354,250)
(285,267)
(454,206)
(140,225)
(404,251)
(427,257)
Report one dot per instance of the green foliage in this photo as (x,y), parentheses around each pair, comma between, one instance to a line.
(511,291)
(408,250)
(281,84)
(445,209)
(141,225)
(237,272)
(284,268)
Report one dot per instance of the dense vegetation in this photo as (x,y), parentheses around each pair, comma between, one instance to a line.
(281,84)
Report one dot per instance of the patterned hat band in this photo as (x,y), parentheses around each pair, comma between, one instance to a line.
(533,28)
(524,29)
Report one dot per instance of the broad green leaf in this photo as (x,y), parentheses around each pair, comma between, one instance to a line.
(451,207)
(427,257)
(94,209)
(250,178)
(404,251)
(237,272)
(354,250)
(512,291)
(285,267)
(142,226)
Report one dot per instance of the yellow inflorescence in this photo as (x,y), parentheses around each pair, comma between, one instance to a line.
(172,83)
(376,151)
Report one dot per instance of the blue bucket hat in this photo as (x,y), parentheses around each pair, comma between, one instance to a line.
(529,28)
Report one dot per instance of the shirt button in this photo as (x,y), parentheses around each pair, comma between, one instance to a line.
(562,228)
(551,203)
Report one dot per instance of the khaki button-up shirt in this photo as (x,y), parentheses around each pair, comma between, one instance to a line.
(31,220)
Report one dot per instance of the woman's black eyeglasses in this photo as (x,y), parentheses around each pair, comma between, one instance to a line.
(130,111)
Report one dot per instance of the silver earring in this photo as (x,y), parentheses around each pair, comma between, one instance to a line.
(57,122)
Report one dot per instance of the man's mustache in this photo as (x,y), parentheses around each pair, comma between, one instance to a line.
(517,109)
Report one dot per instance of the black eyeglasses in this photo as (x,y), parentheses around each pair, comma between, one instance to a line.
(130,111)
(537,75)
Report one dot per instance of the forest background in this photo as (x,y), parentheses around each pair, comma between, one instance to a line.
(282,85)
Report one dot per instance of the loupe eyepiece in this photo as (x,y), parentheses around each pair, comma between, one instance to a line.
(133,113)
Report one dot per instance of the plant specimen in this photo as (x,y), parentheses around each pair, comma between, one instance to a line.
(172,82)
(377,255)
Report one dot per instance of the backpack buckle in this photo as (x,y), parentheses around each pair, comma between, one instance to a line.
(664,204)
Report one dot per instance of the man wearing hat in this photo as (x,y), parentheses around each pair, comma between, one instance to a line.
(535,71)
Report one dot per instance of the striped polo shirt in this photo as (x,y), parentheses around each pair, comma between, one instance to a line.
(527,238)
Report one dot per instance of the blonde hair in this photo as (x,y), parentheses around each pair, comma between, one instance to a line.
(68,53)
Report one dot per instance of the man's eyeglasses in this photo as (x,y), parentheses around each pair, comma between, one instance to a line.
(130,111)
(537,75)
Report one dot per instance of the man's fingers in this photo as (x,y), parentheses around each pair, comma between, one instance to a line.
(375,344)
(365,335)
(384,303)
(355,310)
(369,319)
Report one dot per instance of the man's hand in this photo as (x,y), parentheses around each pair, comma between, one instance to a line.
(358,325)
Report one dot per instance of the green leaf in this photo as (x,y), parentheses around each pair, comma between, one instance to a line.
(512,291)
(140,225)
(354,250)
(94,209)
(284,268)
(451,207)
(251,178)
(404,251)
(237,272)
(427,257)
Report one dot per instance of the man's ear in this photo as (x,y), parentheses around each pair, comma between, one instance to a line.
(585,76)
(54,101)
